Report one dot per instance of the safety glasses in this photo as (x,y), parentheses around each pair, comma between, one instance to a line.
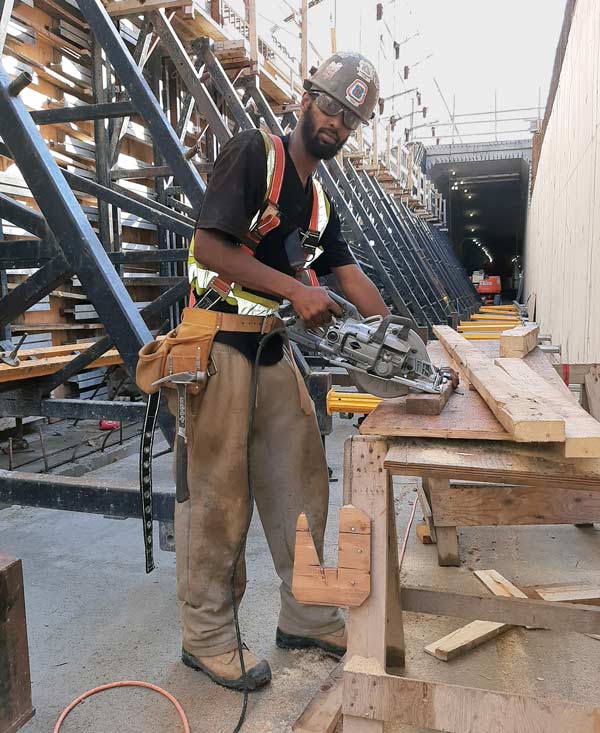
(331,107)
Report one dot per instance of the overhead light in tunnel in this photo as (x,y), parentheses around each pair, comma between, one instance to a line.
(453,173)
(461,183)
(466,190)
(471,215)
(470,196)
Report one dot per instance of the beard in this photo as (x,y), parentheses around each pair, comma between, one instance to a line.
(315,146)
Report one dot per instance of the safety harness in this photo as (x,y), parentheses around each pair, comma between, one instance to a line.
(301,249)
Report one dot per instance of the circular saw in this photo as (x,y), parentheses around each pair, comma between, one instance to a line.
(382,355)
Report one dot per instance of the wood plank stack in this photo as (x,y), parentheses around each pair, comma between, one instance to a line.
(528,407)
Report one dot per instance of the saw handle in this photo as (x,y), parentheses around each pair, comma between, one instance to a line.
(380,333)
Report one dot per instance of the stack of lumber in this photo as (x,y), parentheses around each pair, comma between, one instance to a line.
(490,322)
(233,55)
(528,407)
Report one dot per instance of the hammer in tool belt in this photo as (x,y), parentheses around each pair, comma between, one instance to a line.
(181,380)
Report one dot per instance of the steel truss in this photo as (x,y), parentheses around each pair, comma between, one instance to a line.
(410,259)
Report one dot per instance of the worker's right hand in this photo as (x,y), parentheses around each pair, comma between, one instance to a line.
(314,306)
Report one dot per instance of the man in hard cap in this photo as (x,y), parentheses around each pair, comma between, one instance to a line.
(265,233)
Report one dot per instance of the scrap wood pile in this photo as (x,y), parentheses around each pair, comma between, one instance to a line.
(478,632)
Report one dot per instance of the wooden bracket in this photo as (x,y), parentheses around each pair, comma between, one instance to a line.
(348,584)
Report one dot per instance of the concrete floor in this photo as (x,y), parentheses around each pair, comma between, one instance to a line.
(94,617)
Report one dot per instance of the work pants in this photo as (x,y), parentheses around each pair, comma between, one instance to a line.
(289,476)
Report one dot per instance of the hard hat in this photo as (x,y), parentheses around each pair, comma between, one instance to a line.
(351,79)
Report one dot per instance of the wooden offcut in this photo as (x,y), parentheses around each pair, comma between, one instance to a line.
(324,710)
(526,418)
(15,681)
(582,431)
(462,640)
(518,342)
(348,584)
(587,593)
(428,404)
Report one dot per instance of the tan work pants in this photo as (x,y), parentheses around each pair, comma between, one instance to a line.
(289,476)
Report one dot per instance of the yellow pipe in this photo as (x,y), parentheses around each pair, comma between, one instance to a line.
(351,402)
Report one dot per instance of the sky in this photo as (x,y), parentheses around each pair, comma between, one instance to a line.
(478,51)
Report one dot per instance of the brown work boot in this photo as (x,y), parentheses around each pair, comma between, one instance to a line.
(225,669)
(334,644)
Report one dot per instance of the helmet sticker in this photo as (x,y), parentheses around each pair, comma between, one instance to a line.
(365,70)
(330,70)
(356,93)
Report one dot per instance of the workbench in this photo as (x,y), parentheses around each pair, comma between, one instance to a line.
(472,474)
(375,631)
(447,505)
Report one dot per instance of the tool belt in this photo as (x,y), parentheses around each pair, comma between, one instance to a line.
(187,348)
(184,352)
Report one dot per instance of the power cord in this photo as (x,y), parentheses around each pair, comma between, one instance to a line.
(238,551)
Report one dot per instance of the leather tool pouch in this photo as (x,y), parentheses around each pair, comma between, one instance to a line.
(185,349)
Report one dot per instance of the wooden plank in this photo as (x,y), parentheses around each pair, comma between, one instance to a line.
(523,416)
(372,694)
(423,533)
(428,404)
(498,584)
(324,710)
(582,431)
(518,342)
(523,464)
(30,368)
(447,547)
(464,639)
(587,593)
(535,613)
(375,628)
(491,506)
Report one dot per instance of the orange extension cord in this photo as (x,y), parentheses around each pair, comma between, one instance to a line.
(124,683)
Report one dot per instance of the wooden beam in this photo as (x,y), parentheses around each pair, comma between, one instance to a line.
(518,342)
(515,611)
(15,690)
(509,463)
(31,368)
(491,506)
(582,431)
(372,694)
(517,409)
(304,39)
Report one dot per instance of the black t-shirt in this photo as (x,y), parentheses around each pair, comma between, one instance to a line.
(236,191)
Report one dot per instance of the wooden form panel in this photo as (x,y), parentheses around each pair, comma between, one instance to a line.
(348,584)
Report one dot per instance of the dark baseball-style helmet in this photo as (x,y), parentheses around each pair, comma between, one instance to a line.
(351,79)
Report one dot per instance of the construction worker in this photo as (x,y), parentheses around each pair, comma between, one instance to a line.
(262,195)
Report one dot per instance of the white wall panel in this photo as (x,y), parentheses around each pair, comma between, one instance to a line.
(562,251)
